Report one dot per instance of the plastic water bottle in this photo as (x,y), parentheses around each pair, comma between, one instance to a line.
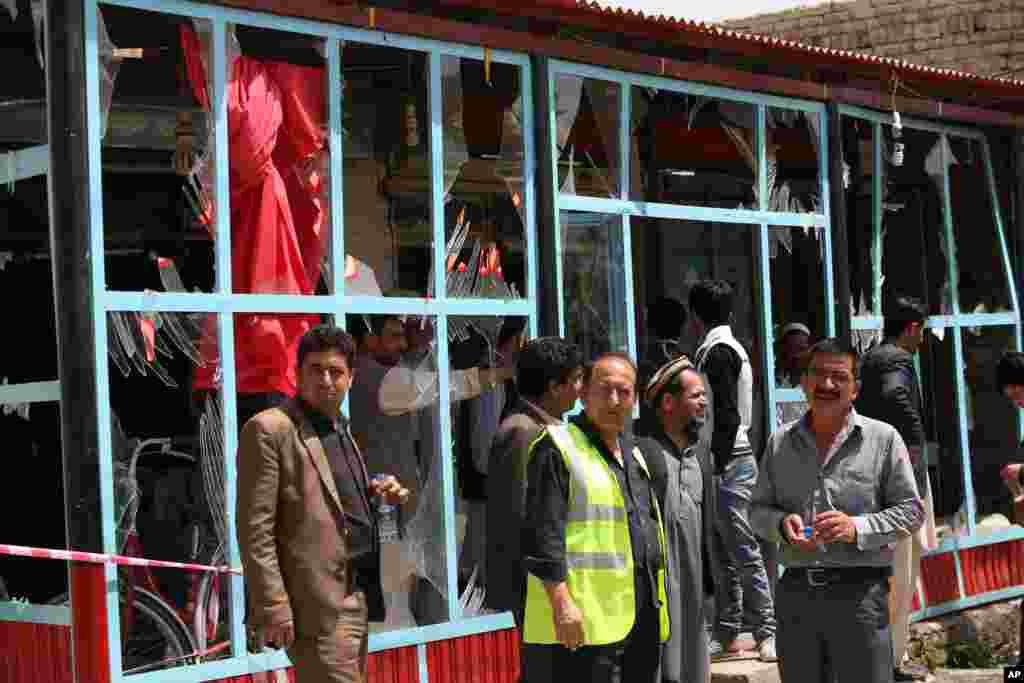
(387,518)
(810,513)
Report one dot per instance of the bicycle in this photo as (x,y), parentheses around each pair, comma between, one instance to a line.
(154,632)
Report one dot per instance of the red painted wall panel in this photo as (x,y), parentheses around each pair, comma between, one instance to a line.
(484,658)
(38,653)
(394,666)
(992,567)
(938,574)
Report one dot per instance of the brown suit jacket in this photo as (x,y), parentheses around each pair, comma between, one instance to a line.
(290,524)
(506,498)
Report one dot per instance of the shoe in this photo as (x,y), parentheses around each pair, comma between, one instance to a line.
(719,651)
(910,672)
(766,650)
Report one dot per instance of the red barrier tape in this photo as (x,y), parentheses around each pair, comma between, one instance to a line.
(100,558)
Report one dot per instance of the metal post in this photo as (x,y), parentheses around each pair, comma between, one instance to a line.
(547,221)
(840,242)
(1015,222)
(68,200)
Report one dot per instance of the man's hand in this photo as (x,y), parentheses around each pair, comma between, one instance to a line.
(280,636)
(793,530)
(834,526)
(390,489)
(1011,477)
(567,616)
(569,624)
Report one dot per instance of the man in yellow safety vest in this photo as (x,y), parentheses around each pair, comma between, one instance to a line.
(593,544)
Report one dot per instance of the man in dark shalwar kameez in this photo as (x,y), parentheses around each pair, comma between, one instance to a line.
(681,467)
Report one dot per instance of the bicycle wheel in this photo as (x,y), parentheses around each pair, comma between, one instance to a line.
(157,637)
(206,621)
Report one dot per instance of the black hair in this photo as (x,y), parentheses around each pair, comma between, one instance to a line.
(666,317)
(900,311)
(588,370)
(378,320)
(837,347)
(327,338)
(711,301)
(543,361)
(1010,370)
(510,327)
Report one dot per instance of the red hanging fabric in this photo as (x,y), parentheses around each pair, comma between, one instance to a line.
(195,65)
(275,135)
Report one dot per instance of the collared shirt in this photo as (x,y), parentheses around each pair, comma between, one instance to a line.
(350,479)
(547,508)
(866,474)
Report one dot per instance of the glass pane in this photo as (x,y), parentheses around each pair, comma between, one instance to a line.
(981,276)
(794,160)
(32,433)
(914,253)
(485,210)
(796,258)
(991,419)
(942,429)
(688,149)
(587,134)
(594,283)
(486,347)
(169,488)
(788,411)
(395,418)
(25,270)
(864,244)
(278,148)
(386,130)
(158,177)
(669,257)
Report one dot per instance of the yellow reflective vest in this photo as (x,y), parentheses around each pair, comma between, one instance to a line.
(598,553)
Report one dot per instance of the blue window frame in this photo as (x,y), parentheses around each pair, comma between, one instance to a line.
(967,330)
(622,213)
(441,305)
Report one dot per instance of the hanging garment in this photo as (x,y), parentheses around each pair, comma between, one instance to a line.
(276,145)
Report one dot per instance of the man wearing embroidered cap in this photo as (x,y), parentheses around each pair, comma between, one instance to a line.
(794,341)
(593,544)
(680,463)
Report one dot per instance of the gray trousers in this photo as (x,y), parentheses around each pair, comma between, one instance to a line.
(742,578)
(838,632)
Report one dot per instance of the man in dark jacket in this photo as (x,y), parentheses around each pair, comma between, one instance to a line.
(890,392)
(549,377)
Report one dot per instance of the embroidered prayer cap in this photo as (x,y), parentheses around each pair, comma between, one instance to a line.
(665,376)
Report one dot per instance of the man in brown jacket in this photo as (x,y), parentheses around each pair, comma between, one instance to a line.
(549,377)
(306,521)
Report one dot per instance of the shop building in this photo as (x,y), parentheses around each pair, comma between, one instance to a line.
(228,175)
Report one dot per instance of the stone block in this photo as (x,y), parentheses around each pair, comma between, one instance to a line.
(926,30)
(957,23)
(860,10)
(1000,48)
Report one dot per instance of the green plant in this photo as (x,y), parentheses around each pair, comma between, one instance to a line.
(973,655)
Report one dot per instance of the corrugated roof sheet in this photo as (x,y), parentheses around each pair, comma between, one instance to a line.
(639,20)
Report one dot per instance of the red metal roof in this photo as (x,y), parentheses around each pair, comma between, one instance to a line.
(605,17)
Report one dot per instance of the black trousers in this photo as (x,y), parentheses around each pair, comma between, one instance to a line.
(838,632)
(633,660)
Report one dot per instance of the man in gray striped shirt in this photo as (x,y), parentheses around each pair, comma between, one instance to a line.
(837,490)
